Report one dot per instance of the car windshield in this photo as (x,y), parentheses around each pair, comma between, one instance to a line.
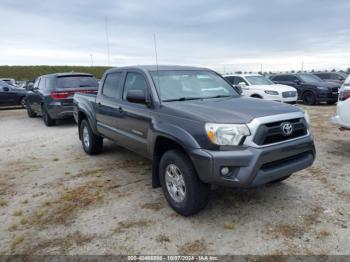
(190,84)
(310,78)
(76,81)
(259,80)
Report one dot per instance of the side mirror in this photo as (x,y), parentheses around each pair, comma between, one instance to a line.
(238,89)
(30,87)
(242,84)
(136,96)
(297,81)
(6,89)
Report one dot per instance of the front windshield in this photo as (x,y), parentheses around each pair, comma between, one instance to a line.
(190,84)
(259,80)
(310,78)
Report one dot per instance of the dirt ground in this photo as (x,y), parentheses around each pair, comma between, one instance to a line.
(54,199)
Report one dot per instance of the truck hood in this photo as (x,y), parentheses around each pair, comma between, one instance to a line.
(324,84)
(277,87)
(236,110)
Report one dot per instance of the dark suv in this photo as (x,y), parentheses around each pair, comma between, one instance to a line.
(52,95)
(311,89)
(334,77)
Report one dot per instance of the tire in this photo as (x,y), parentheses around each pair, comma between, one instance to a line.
(46,117)
(280,180)
(30,112)
(92,143)
(23,102)
(309,98)
(191,195)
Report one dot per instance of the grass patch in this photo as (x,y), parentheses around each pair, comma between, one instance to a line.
(24,221)
(3,203)
(230,225)
(55,159)
(18,213)
(15,242)
(65,208)
(127,224)
(193,248)
(13,227)
(152,206)
(162,239)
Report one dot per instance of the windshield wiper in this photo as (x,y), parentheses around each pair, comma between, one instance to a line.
(183,99)
(218,96)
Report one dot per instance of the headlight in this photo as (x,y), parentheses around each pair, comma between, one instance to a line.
(322,88)
(270,92)
(307,118)
(226,134)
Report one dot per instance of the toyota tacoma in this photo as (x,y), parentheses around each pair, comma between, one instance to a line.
(197,130)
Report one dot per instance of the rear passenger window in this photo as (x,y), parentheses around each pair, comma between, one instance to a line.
(112,84)
(134,81)
(42,83)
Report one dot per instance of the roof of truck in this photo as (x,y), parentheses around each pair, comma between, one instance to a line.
(159,67)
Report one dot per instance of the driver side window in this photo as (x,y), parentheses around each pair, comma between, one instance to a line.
(134,81)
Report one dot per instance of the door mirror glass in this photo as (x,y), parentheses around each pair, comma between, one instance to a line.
(242,84)
(136,96)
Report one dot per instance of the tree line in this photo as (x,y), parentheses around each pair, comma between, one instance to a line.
(21,73)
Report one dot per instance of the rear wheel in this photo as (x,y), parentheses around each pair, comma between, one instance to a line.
(182,188)
(30,112)
(23,102)
(92,143)
(309,98)
(46,117)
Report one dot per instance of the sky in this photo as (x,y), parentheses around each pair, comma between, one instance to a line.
(225,35)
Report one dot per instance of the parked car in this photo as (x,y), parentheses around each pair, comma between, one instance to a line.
(336,77)
(51,96)
(260,87)
(311,89)
(343,108)
(10,81)
(11,96)
(196,129)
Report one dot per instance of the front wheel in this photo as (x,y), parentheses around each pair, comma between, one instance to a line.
(30,112)
(309,98)
(182,188)
(92,143)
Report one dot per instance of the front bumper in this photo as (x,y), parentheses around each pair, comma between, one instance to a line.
(254,166)
(328,96)
(338,121)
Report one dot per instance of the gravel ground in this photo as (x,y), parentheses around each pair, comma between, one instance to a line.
(54,199)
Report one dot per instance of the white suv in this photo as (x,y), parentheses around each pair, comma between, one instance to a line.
(260,87)
(343,108)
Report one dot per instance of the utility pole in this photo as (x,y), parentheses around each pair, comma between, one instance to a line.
(302,65)
(92,60)
(107,41)
(261,68)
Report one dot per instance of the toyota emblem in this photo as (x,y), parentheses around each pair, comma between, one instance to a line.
(287,128)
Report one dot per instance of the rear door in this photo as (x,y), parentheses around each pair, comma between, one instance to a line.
(33,97)
(6,96)
(107,105)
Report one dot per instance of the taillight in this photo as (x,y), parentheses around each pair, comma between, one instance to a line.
(344,95)
(60,95)
(66,94)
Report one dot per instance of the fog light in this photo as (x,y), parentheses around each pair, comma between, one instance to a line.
(225,171)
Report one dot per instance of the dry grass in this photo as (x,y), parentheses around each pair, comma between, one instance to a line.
(128,224)
(152,206)
(230,225)
(65,208)
(13,227)
(15,242)
(162,239)
(18,213)
(59,245)
(196,247)
(3,203)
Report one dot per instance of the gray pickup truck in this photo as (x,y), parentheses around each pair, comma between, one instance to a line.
(197,130)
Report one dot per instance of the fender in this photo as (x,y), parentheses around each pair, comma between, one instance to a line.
(87,110)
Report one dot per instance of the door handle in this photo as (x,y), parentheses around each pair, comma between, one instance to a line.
(99,104)
(120,109)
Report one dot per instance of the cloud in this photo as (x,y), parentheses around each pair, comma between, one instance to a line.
(231,34)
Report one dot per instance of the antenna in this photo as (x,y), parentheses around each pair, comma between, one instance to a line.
(156,53)
(107,39)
